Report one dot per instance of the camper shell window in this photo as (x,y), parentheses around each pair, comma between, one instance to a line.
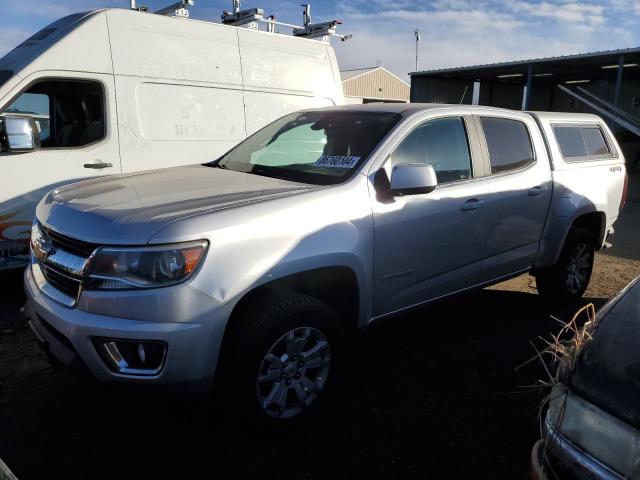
(68,113)
(580,142)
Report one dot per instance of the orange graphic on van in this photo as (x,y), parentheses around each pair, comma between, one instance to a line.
(16,231)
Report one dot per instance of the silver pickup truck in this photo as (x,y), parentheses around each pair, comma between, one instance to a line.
(252,269)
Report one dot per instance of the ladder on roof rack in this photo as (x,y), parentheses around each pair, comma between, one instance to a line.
(252,17)
(255,16)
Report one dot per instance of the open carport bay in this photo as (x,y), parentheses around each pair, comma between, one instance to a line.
(434,393)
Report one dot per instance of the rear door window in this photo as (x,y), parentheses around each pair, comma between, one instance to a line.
(509,144)
(578,142)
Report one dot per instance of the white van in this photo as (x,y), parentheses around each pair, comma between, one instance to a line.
(116,91)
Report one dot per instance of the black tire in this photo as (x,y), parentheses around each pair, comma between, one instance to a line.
(261,328)
(558,283)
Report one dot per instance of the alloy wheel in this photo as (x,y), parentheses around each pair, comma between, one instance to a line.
(578,268)
(293,372)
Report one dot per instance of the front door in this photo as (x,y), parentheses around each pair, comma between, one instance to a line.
(78,138)
(430,245)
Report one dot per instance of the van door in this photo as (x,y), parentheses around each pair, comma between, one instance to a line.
(75,117)
(519,179)
(430,245)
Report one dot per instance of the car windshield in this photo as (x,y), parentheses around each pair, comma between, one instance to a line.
(317,147)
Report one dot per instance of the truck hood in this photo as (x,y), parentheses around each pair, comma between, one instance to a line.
(130,209)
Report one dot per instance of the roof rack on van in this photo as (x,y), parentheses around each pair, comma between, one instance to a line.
(254,16)
(178,9)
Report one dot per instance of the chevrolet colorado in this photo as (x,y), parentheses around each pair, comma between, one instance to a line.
(252,269)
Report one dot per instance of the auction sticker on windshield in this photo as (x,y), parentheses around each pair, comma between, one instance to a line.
(337,161)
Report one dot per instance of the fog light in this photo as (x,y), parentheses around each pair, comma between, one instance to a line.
(132,357)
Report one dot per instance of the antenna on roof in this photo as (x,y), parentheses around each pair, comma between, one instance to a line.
(178,9)
(306,14)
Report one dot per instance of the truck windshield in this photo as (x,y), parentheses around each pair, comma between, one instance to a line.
(4,76)
(317,147)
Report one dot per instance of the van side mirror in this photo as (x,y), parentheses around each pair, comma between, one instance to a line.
(19,134)
(413,179)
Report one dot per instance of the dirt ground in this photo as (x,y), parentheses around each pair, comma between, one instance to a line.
(432,394)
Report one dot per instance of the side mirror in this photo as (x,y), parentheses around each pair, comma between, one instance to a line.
(20,134)
(413,179)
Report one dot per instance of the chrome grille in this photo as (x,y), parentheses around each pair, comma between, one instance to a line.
(68,244)
(65,283)
(58,263)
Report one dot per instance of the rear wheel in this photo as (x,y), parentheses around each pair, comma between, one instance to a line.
(283,358)
(568,279)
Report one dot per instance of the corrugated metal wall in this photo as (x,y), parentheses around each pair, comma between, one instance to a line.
(376,84)
(437,90)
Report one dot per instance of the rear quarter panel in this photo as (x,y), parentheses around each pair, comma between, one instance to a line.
(595,184)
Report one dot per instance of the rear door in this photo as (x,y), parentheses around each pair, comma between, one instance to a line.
(519,180)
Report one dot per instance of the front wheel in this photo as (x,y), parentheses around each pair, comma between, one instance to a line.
(283,358)
(568,279)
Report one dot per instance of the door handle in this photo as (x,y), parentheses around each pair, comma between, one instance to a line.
(472,204)
(535,191)
(98,165)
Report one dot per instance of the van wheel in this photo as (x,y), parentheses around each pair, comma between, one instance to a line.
(283,360)
(568,279)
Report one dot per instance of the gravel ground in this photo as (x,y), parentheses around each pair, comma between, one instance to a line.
(434,393)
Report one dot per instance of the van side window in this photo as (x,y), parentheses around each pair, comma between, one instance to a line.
(442,143)
(509,144)
(579,142)
(68,113)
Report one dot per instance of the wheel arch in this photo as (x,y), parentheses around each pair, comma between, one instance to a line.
(337,286)
(593,221)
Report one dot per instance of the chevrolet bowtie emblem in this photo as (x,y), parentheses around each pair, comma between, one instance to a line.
(42,248)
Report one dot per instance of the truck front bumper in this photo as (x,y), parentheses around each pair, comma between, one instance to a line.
(187,322)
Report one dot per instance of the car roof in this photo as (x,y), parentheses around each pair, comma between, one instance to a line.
(407,109)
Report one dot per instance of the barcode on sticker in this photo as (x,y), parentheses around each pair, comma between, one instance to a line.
(337,161)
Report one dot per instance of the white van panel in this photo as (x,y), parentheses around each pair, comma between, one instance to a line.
(173,48)
(278,62)
(189,113)
(78,42)
(267,107)
(164,125)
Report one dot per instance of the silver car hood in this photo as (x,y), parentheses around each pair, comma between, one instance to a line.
(130,209)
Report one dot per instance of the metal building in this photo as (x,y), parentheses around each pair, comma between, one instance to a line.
(606,83)
(374,84)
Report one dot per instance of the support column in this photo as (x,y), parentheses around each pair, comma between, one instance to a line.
(475,99)
(616,92)
(527,92)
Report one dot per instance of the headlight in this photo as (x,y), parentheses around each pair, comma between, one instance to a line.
(144,267)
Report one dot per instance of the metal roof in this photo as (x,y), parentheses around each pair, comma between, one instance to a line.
(347,74)
(571,60)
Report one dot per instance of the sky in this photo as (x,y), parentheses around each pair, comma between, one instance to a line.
(453,32)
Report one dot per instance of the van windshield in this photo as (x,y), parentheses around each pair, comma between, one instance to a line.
(5,75)
(317,147)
